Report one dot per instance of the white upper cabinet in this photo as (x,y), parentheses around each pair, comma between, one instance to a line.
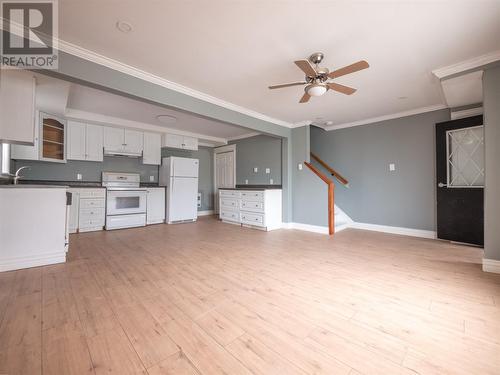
(17,107)
(190,143)
(152,149)
(85,141)
(134,141)
(28,152)
(113,138)
(76,140)
(179,141)
(123,140)
(94,138)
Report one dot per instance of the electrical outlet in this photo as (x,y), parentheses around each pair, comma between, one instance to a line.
(271,182)
(246,182)
(268,170)
(151,178)
(79,176)
(392,167)
(255,169)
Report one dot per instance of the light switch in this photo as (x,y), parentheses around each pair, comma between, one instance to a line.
(271,182)
(152,178)
(255,169)
(268,170)
(299,166)
(79,176)
(392,167)
(246,182)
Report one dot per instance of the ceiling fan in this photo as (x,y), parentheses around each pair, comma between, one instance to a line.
(317,77)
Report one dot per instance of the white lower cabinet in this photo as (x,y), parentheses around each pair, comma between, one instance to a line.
(88,209)
(155,211)
(259,209)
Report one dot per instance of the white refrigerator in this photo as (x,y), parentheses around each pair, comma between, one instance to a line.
(180,176)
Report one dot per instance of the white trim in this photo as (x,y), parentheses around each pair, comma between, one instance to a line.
(97,118)
(387,117)
(466,65)
(395,230)
(301,124)
(243,136)
(206,213)
(145,76)
(306,227)
(491,265)
(466,113)
(17,263)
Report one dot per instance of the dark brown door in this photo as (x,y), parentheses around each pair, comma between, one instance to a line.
(460,178)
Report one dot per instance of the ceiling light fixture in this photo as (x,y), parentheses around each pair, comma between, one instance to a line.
(123,26)
(316,89)
(166,119)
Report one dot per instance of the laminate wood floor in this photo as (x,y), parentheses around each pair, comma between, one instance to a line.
(212,298)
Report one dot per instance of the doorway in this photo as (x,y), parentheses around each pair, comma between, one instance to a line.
(460,178)
(224,170)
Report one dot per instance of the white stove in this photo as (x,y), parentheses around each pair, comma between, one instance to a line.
(125,200)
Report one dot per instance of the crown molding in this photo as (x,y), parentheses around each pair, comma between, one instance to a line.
(94,57)
(77,115)
(301,124)
(371,120)
(463,66)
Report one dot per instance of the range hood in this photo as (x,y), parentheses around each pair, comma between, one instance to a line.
(129,154)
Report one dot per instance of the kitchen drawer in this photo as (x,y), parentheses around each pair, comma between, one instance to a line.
(230,215)
(92,203)
(95,213)
(252,206)
(229,193)
(92,193)
(252,219)
(252,195)
(229,203)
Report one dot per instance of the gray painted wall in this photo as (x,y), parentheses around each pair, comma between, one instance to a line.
(308,205)
(261,151)
(491,104)
(206,177)
(91,171)
(403,198)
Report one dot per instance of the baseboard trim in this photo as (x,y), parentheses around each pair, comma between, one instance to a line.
(206,213)
(306,227)
(491,265)
(395,230)
(18,263)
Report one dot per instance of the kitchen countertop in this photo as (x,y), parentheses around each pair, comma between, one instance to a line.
(33,186)
(75,184)
(250,187)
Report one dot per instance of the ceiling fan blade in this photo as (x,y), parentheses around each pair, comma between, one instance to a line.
(306,67)
(305,98)
(341,88)
(360,65)
(287,85)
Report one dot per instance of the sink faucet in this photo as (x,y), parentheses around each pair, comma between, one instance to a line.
(16,177)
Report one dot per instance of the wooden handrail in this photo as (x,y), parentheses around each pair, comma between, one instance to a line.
(332,171)
(331,197)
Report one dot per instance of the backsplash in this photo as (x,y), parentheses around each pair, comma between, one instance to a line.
(90,171)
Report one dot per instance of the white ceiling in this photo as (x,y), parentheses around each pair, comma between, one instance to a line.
(234,50)
(463,90)
(86,99)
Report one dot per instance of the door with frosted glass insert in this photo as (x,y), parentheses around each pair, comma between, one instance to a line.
(460,180)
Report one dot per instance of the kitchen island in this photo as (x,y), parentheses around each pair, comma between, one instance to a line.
(32,226)
(253,207)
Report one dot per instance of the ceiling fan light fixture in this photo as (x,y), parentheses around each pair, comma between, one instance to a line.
(316,89)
